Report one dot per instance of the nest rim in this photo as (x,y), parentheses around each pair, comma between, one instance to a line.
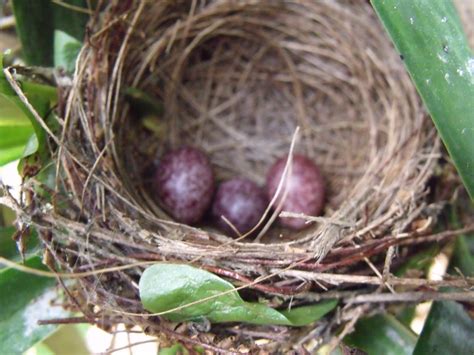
(377,164)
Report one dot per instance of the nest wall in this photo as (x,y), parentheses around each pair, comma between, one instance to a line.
(234,78)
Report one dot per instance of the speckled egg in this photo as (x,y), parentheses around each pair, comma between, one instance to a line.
(184,182)
(305,188)
(240,201)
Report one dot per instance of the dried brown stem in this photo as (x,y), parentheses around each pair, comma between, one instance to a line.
(415,297)
(337,279)
(71,320)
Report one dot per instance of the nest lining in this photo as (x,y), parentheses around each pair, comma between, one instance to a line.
(235,78)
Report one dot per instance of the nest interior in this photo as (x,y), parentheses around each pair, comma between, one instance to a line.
(235,78)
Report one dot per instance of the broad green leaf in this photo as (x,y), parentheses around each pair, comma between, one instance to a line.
(20,133)
(429,36)
(14,134)
(167,286)
(10,154)
(382,334)
(24,300)
(448,330)
(11,114)
(66,49)
(15,130)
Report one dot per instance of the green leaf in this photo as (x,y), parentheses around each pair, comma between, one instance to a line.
(429,36)
(11,115)
(34,26)
(5,87)
(8,248)
(14,134)
(7,216)
(42,106)
(69,19)
(463,255)
(304,315)
(7,244)
(31,146)
(25,299)
(20,133)
(167,286)
(15,129)
(448,330)
(406,315)
(66,49)
(69,336)
(43,349)
(10,154)
(176,349)
(382,334)
(36,22)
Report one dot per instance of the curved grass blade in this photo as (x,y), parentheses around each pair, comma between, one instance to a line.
(429,36)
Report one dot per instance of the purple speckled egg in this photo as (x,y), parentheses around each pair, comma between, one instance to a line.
(185,185)
(305,188)
(242,202)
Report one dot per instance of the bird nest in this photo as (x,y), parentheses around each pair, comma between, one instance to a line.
(236,79)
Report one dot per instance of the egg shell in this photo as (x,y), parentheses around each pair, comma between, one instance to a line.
(185,184)
(240,201)
(305,189)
